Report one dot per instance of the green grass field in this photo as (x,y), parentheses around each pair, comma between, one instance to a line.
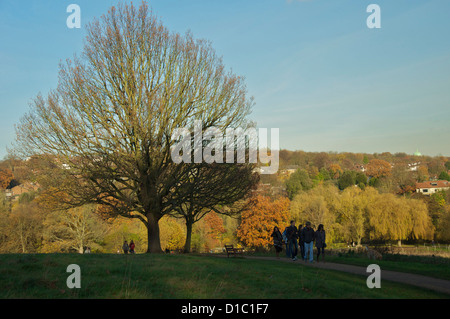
(183,276)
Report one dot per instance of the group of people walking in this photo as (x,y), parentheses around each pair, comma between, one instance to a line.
(303,237)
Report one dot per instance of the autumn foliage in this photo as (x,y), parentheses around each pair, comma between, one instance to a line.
(378,168)
(6,176)
(335,170)
(257,223)
(214,225)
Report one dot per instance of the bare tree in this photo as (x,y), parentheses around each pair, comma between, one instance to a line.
(220,188)
(74,229)
(109,122)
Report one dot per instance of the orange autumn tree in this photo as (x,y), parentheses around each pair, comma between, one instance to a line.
(378,168)
(214,225)
(52,199)
(214,230)
(6,176)
(258,221)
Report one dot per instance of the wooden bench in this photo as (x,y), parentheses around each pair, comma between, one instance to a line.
(233,251)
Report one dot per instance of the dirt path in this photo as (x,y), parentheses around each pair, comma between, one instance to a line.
(440,285)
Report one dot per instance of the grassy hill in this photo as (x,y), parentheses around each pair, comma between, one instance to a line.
(183,276)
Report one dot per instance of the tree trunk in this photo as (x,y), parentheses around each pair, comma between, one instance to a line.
(22,242)
(22,238)
(187,245)
(399,243)
(154,244)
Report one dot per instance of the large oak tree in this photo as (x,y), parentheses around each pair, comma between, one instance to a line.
(108,125)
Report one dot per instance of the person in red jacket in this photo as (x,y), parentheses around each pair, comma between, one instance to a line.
(132,247)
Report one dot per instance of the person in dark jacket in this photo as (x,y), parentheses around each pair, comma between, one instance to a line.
(286,242)
(277,241)
(301,242)
(292,234)
(308,238)
(125,247)
(320,242)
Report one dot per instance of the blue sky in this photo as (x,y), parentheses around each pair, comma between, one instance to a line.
(315,69)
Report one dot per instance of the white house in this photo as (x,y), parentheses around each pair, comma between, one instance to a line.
(431,187)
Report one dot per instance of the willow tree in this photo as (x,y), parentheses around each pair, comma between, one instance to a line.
(353,203)
(109,121)
(397,218)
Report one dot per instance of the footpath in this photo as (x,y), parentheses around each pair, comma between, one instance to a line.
(440,285)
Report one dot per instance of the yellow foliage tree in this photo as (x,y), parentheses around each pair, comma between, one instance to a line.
(319,205)
(443,229)
(392,218)
(172,235)
(351,211)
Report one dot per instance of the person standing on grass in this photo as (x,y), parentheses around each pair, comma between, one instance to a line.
(308,238)
(286,242)
(320,242)
(277,241)
(301,242)
(125,247)
(292,234)
(132,247)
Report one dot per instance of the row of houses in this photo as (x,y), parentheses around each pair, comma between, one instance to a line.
(412,167)
(425,188)
(15,192)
